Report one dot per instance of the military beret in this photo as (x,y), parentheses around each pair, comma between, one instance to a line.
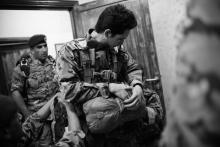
(37,39)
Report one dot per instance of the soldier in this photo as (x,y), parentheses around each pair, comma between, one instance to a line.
(12,133)
(33,81)
(104,83)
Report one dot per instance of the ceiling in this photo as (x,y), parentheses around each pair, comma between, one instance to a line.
(37,4)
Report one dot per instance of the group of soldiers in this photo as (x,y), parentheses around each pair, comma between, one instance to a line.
(91,96)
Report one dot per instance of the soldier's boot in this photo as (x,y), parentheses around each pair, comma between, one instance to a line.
(59,120)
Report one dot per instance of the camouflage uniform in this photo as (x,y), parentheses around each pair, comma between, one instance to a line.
(78,78)
(37,83)
(33,129)
(40,85)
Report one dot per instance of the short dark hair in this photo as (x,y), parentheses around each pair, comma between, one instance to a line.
(117,18)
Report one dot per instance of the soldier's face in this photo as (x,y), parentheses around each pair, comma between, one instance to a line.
(117,39)
(40,51)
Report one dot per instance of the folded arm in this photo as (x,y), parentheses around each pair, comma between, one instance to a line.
(17,88)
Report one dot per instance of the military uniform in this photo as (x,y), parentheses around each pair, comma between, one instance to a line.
(37,80)
(81,64)
(33,129)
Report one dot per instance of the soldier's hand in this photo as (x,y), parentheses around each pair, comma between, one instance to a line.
(101,85)
(114,87)
(133,102)
(120,90)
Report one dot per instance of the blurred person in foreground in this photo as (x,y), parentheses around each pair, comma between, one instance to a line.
(194,116)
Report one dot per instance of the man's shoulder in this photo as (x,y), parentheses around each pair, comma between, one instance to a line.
(70,48)
(17,73)
(123,53)
(25,57)
(17,70)
(19,66)
(76,44)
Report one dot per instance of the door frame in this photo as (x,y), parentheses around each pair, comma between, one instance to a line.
(13,41)
(37,4)
(7,45)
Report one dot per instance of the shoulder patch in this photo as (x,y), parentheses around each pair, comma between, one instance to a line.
(25,65)
(24,57)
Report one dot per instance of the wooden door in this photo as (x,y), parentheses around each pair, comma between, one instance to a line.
(11,50)
(140,43)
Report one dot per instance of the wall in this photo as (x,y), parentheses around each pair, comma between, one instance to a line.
(56,25)
(165,17)
(85,1)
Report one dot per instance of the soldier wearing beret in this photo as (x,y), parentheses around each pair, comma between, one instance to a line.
(34,74)
(33,80)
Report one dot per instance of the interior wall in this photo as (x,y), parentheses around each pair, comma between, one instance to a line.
(85,1)
(56,25)
(166,17)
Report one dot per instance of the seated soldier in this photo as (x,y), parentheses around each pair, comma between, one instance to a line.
(104,83)
(13,134)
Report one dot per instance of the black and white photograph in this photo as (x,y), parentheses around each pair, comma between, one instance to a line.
(109,73)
